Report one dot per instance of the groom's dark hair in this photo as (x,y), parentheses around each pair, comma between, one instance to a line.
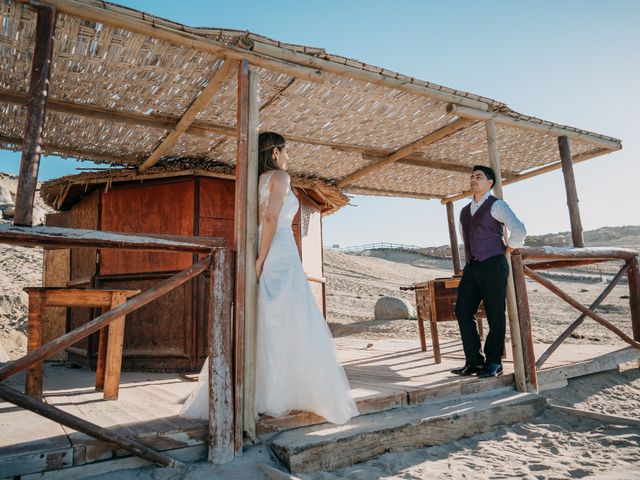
(267,141)
(488,172)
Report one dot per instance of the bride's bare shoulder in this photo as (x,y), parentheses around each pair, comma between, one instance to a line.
(280,178)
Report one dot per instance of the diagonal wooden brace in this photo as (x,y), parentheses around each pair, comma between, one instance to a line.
(588,312)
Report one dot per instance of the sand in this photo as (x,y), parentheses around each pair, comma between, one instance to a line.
(354,284)
(19,267)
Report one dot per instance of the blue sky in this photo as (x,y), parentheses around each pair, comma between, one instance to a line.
(572,62)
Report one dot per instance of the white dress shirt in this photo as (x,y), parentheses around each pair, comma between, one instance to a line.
(503,214)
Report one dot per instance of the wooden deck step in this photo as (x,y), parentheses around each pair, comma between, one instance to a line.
(329,447)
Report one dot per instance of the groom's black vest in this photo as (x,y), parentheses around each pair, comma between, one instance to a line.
(483,235)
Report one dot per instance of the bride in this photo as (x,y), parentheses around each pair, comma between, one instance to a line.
(296,367)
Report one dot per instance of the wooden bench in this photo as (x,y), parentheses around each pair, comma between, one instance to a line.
(111,337)
(436,302)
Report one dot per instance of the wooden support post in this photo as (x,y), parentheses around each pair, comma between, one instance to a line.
(453,238)
(38,93)
(524,318)
(634,296)
(246,244)
(572,195)
(514,325)
(102,355)
(221,400)
(9,394)
(35,334)
(113,357)
(251,284)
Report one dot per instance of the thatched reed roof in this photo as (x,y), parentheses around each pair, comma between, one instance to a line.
(121,81)
(62,193)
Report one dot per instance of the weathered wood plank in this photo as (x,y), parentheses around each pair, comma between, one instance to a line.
(90,470)
(603,363)
(63,417)
(306,450)
(78,237)
(45,461)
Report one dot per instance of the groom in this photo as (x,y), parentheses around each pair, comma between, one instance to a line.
(485,275)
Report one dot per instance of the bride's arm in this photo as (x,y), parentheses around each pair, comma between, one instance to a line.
(278,190)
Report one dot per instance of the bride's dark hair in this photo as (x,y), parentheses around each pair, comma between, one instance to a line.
(267,141)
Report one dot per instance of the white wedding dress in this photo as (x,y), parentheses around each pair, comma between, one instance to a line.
(296,364)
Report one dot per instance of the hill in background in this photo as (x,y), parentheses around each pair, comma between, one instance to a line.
(627,236)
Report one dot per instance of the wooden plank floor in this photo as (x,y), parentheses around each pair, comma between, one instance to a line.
(383,374)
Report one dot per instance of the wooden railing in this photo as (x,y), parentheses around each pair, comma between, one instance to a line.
(526,261)
(219,263)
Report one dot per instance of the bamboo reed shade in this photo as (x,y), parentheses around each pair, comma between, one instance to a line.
(333,126)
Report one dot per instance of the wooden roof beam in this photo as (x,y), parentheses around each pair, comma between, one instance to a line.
(118,116)
(581,157)
(451,167)
(432,137)
(395,193)
(201,101)
(533,126)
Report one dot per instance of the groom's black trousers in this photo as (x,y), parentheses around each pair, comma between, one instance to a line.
(487,282)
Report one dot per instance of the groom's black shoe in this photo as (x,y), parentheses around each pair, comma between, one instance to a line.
(491,370)
(468,370)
